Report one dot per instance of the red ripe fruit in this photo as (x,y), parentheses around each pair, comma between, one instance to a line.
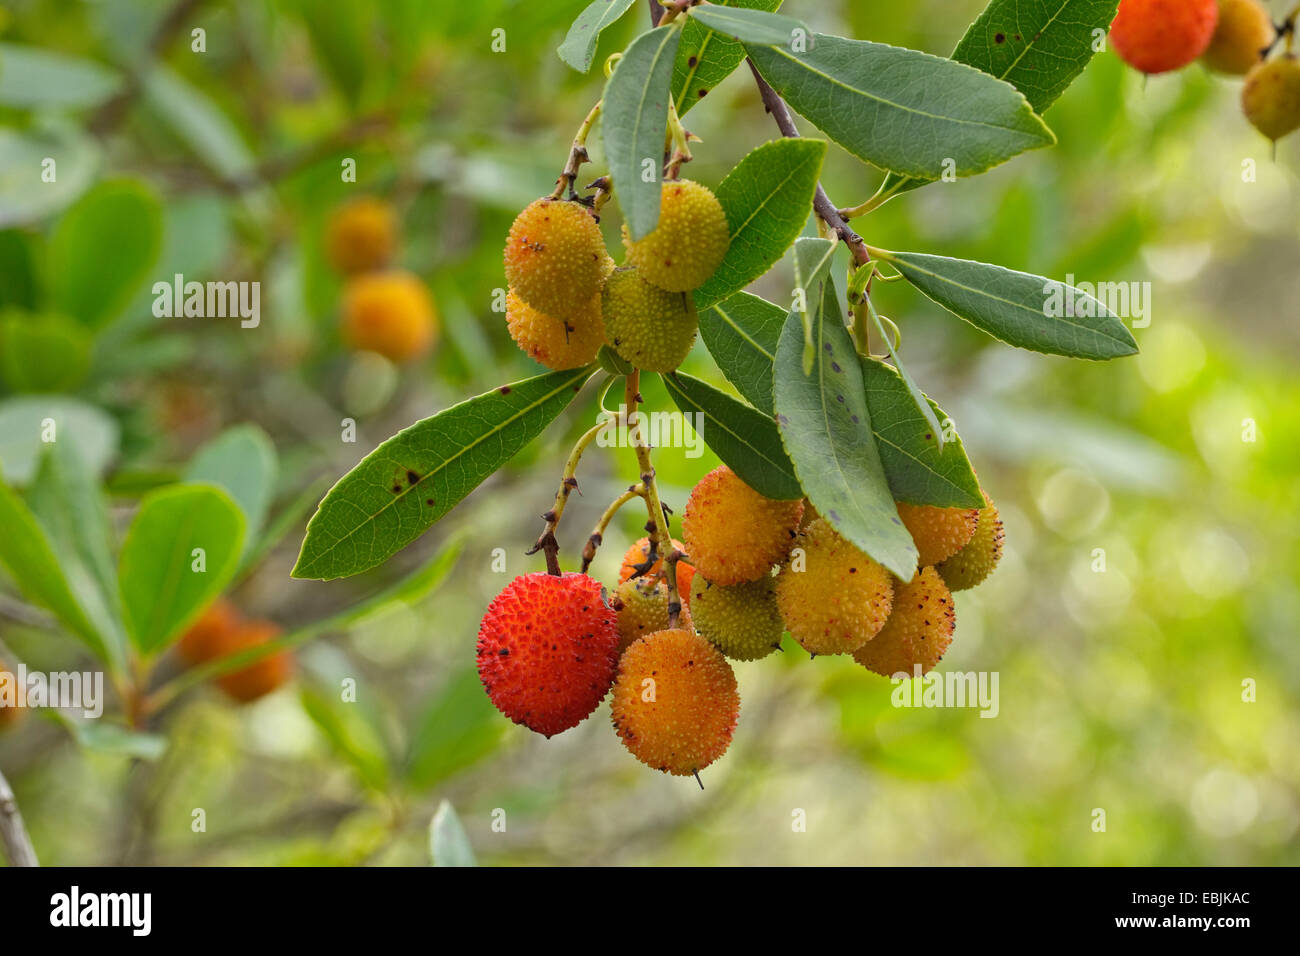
(548,650)
(1156,36)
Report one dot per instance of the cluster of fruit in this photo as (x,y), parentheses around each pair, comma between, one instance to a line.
(222,631)
(567,297)
(385,310)
(550,647)
(1235,37)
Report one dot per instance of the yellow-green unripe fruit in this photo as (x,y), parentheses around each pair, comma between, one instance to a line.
(741,620)
(555,258)
(648,327)
(975,562)
(918,632)
(833,598)
(688,243)
(1271,96)
(1242,34)
(642,608)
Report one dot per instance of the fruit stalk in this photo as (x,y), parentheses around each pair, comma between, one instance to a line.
(598,533)
(568,481)
(658,526)
(577,155)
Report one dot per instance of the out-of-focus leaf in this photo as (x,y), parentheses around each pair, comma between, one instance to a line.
(351,735)
(28,157)
(21,277)
(28,422)
(197,121)
(33,78)
(43,353)
(241,460)
(179,554)
(340,41)
(117,226)
(460,728)
(448,843)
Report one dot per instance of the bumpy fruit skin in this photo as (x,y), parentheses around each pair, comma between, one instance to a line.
(732,532)
(741,620)
(555,257)
(361,235)
(207,636)
(938,532)
(689,242)
(547,650)
(650,328)
(639,553)
(841,598)
(263,675)
(9,716)
(688,721)
(556,343)
(918,632)
(975,562)
(1245,30)
(1156,36)
(642,608)
(1270,97)
(390,313)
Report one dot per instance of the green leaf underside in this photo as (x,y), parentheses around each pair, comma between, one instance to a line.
(1038,46)
(162,591)
(901,110)
(27,552)
(749,26)
(812,263)
(922,404)
(767,199)
(743,437)
(634,119)
(579,44)
(826,428)
(400,489)
(1014,306)
(459,728)
(241,460)
(448,844)
(66,500)
(741,334)
(706,58)
(34,78)
(917,471)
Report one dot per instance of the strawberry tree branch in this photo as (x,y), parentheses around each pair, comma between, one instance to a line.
(13,833)
(568,482)
(822,205)
(660,539)
(598,533)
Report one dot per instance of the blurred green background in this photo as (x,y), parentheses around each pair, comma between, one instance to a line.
(1120,689)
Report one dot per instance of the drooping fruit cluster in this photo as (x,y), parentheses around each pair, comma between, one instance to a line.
(642,608)
(221,631)
(566,298)
(1233,37)
(732,532)
(384,310)
(918,631)
(547,650)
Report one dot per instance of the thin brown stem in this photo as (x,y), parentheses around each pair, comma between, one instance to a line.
(547,541)
(660,539)
(13,832)
(597,536)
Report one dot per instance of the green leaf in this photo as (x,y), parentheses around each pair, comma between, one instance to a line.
(351,735)
(741,334)
(460,728)
(105,737)
(635,120)
(448,844)
(66,500)
(933,432)
(826,428)
(812,264)
(1024,310)
(767,199)
(163,591)
(579,44)
(612,362)
(706,58)
(198,122)
(118,227)
(750,26)
(21,260)
(904,111)
(401,488)
(28,422)
(241,460)
(918,472)
(24,195)
(1038,46)
(26,551)
(43,353)
(339,40)
(33,78)
(743,437)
